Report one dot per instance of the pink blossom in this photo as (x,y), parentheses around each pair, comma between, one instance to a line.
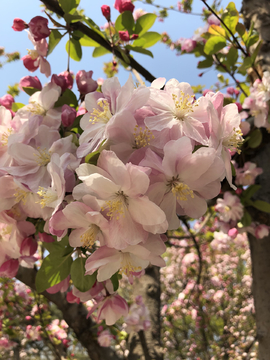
(85,82)
(19,25)
(138,317)
(247,174)
(213,20)
(30,63)
(124,5)
(124,35)
(62,286)
(7,101)
(105,338)
(64,80)
(245,127)
(30,81)
(112,308)
(28,246)
(261,231)
(68,115)
(121,190)
(188,45)
(9,268)
(138,13)
(106,12)
(229,208)
(39,28)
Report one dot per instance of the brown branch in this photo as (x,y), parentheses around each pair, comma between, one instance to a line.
(54,6)
(75,317)
(144,345)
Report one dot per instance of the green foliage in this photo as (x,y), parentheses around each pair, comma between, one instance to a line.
(147,40)
(87,41)
(30,90)
(230,17)
(68,98)
(214,44)
(56,266)
(125,21)
(100,51)
(69,6)
(74,49)
(17,106)
(13,90)
(205,63)
(246,219)
(255,139)
(54,38)
(81,282)
(144,23)
(262,206)
(139,50)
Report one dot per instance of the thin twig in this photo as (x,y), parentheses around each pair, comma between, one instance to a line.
(169,8)
(231,74)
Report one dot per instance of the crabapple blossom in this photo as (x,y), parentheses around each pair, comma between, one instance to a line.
(85,82)
(106,12)
(246,175)
(38,27)
(124,5)
(229,208)
(30,81)
(19,25)
(105,338)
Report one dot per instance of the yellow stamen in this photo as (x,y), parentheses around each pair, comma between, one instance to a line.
(5,136)
(116,208)
(21,195)
(36,108)
(103,115)
(43,158)
(181,190)
(183,105)
(88,238)
(127,266)
(142,139)
(33,53)
(234,141)
(47,196)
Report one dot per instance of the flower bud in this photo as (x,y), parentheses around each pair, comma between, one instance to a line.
(68,115)
(261,231)
(106,12)
(44,237)
(9,268)
(28,246)
(123,5)
(19,25)
(29,63)
(124,35)
(7,101)
(30,81)
(85,82)
(39,28)
(64,80)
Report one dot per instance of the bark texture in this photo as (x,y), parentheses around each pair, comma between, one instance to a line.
(146,345)
(258,12)
(75,317)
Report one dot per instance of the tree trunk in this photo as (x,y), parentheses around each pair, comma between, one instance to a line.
(258,12)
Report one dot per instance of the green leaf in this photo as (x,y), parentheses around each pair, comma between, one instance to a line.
(16,106)
(241,29)
(255,139)
(230,17)
(53,270)
(205,63)
(81,282)
(214,45)
(59,248)
(125,21)
(115,281)
(250,191)
(232,56)
(139,50)
(72,18)
(92,25)
(147,40)
(144,23)
(100,51)
(69,5)
(73,47)
(252,40)
(247,63)
(54,38)
(262,206)
(233,169)
(92,158)
(87,41)
(246,219)
(30,90)
(68,98)
(255,52)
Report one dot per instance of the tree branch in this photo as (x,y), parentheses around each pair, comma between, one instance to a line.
(75,317)
(54,6)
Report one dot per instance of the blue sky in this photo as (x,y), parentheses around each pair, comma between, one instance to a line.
(165,63)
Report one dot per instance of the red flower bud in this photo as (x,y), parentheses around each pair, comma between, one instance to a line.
(106,12)
(19,25)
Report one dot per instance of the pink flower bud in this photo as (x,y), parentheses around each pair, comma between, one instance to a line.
(230,90)
(28,246)
(261,231)
(30,81)
(68,115)
(72,298)
(123,5)
(7,101)
(44,237)
(9,268)
(64,80)
(213,20)
(85,82)
(237,92)
(124,35)
(28,317)
(205,91)
(39,28)
(29,63)
(233,233)
(239,106)
(188,45)
(19,25)
(134,36)
(106,12)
